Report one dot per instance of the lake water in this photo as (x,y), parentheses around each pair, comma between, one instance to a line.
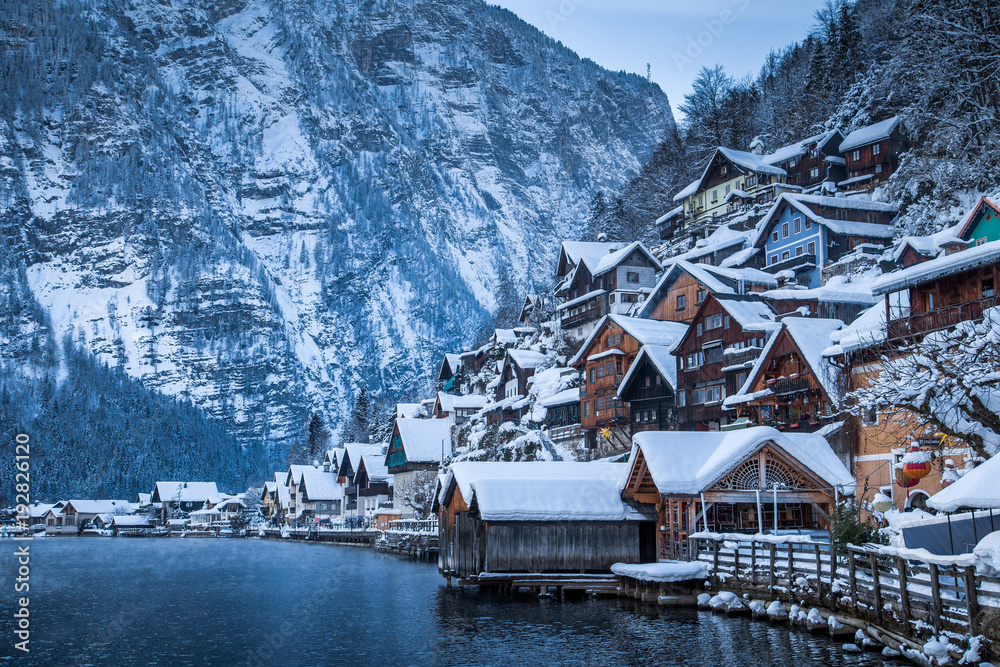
(233,602)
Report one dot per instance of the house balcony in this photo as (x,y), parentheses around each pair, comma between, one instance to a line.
(588,315)
(804,261)
(942,318)
(789,385)
(611,416)
(742,356)
(562,433)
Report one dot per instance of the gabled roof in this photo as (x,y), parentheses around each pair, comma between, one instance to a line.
(184,491)
(689,462)
(761,164)
(450,365)
(451,402)
(564,397)
(931,246)
(589,253)
(375,467)
(721,238)
(613,259)
(320,485)
(526,359)
(812,336)
(404,410)
(97,506)
(647,332)
(424,440)
(989,202)
(750,315)
(662,360)
(353,452)
(715,279)
(799,202)
(540,490)
(870,134)
(918,274)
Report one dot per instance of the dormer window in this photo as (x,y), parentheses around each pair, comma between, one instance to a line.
(725,169)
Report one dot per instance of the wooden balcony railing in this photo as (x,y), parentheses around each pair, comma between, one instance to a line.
(783,386)
(582,317)
(792,263)
(942,318)
(562,433)
(741,356)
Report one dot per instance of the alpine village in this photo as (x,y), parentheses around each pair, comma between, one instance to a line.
(774,404)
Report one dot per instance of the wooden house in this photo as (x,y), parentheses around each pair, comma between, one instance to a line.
(183,496)
(804,233)
(603,360)
(605,279)
(714,356)
(748,481)
(510,393)
(38,512)
(78,513)
(138,525)
(912,250)
(540,517)
(347,473)
(319,494)
(373,483)
(940,293)
(417,447)
(459,408)
(735,180)
(836,300)
(683,287)
(872,153)
(982,225)
(449,373)
(230,507)
(562,415)
(649,390)
(792,386)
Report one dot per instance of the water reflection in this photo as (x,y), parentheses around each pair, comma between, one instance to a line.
(233,602)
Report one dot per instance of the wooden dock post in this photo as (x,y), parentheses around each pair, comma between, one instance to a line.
(936,597)
(876,589)
(753,562)
(819,576)
(774,552)
(904,595)
(971,599)
(852,567)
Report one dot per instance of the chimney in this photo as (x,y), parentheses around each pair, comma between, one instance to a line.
(757,146)
(602,237)
(951,247)
(543,348)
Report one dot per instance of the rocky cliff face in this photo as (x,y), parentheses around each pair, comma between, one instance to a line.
(262,205)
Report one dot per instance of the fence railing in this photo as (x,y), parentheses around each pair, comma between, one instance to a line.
(886,586)
(429,526)
(560,433)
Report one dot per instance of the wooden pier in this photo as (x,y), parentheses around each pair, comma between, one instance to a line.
(346,536)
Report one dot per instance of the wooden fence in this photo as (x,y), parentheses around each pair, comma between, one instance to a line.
(908,596)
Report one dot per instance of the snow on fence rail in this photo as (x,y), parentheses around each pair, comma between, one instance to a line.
(897,589)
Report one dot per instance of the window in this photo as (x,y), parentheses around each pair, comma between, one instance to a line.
(586,408)
(774,236)
(741,379)
(876,149)
(713,355)
(785,255)
(930,301)
(841,214)
(715,196)
(647,380)
(774,259)
(681,399)
(784,230)
(798,225)
(792,162)
(869,417)
(700,328)
(725,169)
(652,415)
(873,217)
(632,277)
(811,247)
(987,287)
(611,299)
(681,301)
(658,383)
(814,172)
(878,169)
(701,295)
(814,152)
(701,200)
(695,359)
(809,223)
(713,322)
(636,415)
(980,242)
(593,375)
(798,250)
(856,155)
(614,339)
(680,363)
(727,188)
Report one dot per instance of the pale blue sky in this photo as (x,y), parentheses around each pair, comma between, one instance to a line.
(676,38)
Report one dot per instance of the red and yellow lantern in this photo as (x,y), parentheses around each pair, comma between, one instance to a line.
(917,464)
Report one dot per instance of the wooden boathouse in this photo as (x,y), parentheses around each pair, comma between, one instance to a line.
(538,523)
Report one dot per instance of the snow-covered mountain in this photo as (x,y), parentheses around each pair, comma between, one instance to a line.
(262,205)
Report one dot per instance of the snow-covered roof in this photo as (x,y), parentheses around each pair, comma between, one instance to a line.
(688,190)
(800,203)
(688,462)
(739,257)
(145,498)
(564,397)
(39,510)
(451,402)
(866,330)
(723,237)
(812,337)
(425,439)
(407,410)
(751,161)
(580,299)
(356,450)
(616,257)
(742,194)
(505,336)
(976,489)
(930,246)
(663,361)
(799,148)
(870,134)
(672,213)
(647,332)
(375,467)
(751,315)
(988,253)
(184,491)
(97,506)
(542,490)
(589,253)
(836,290)
(124,521)
(321,485)
(743,394)
(715,279)
(526,359)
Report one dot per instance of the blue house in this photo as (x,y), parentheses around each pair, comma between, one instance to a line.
(804,233)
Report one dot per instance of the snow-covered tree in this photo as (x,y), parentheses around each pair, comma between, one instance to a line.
(417,492)
(947,382)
